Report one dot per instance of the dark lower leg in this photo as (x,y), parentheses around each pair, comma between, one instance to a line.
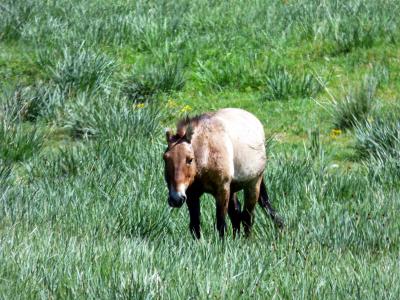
(250,200)
(221,224)
(222,199)
(194,212)
(247,220)
(234,213)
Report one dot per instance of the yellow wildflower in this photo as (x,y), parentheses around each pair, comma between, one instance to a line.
(171,103)
(186,108)
(138,105)
(335,133)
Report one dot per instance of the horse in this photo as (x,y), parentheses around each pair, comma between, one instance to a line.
(219,153)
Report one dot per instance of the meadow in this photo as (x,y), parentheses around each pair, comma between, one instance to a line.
(86,90)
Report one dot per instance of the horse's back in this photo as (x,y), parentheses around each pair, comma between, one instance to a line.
(247,142)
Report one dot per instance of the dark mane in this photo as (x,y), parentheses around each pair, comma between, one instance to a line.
(193,122)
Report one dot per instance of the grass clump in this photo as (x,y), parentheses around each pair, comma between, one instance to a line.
(356,106)
(347,26)
(28,103)
(78,69)
(13,17)
(283,85)
(230,70)
(108,117)
(378,143)
(382,74)
(147,81)
(18,142)
(379,138)
(349,33)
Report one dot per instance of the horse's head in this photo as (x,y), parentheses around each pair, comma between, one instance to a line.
(180,166)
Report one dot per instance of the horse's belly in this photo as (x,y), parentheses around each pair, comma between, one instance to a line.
(248,165)
(246,146)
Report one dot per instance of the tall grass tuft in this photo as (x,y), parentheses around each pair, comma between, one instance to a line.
(356,105)
(381,73)
(18,142)
(230,70)
(350,33)
(283,85)
(147,81)
(78,69)
(14,15)
(109,117)
(28,103)
(315,147)
(379,138)
(346,26)
(384,169)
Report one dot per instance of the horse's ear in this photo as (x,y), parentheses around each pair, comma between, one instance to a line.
(182,127)
(189,133)
(168,135)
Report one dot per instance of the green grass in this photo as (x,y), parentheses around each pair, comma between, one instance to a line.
(147,81)
(379,138)
(86,90)
(356,106)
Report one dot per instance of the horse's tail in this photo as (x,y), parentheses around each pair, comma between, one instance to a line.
(266,205)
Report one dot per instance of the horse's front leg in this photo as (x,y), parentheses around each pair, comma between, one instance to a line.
(193,203)
(222,199)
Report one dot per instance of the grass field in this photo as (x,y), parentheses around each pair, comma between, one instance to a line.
(87,88)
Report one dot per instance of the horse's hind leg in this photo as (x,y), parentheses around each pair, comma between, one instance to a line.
(234,213)
(251,194)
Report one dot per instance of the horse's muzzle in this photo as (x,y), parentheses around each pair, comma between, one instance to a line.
(176,203)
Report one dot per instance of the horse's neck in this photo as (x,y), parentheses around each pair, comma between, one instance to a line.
(200,144)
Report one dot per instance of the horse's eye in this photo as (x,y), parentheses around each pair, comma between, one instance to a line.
(189,160)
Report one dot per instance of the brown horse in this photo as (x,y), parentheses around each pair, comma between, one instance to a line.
(218,153)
